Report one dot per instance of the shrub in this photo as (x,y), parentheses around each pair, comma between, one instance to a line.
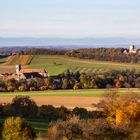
(81,112)
(15,128)
(32,88)
(21,88)
(7,109)
(42,88)
(64,113)
(48,113)
(10,88)
(69,130)
(74,129)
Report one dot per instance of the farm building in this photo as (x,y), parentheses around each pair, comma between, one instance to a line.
(30,73)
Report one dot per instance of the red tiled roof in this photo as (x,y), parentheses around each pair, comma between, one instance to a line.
(33,70)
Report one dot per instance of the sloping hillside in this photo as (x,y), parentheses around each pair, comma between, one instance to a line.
(55,64)
(19,59)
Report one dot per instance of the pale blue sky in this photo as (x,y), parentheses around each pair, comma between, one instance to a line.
(69,18)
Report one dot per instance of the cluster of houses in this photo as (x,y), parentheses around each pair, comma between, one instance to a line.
(131,50)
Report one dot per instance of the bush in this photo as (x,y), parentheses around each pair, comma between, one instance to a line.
(69,130)
(21,88)
(48,113)
(81,112)
(42,88)
(64,113)
(15,128)
(74,129)
(10,88)
(32,89)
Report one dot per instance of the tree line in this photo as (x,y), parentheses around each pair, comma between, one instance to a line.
(105,54)
(101,54)
(75,80)
(46,51)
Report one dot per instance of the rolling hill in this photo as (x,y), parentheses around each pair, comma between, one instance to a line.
(58,64)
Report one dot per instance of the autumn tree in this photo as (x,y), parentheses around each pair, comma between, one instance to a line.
(69,130)
(15,128)
(121,109)
(23,106)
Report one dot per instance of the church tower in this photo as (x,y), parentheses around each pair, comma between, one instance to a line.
(18,68)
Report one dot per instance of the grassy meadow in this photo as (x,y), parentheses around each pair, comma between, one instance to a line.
(58,64)
(82,92)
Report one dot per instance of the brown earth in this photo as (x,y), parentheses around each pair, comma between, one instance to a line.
(19,59)
(67,101)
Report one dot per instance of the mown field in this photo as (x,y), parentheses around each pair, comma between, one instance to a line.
(58,64)
(75,93)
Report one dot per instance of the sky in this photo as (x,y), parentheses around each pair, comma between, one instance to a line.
(70,18)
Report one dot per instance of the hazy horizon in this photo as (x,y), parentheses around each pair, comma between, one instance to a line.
(68,42)
(69,19)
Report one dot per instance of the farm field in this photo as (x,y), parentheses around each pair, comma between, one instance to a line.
(59,64)
(68,98)
(19,59)
(75,93)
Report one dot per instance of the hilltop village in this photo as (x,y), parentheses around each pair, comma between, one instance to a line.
(132,50)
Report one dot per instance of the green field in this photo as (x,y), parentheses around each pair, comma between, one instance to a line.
(58,64)
(39,125)
(82,92)
(3,60)
(55,64)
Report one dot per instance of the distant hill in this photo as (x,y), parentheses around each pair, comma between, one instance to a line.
(69,43)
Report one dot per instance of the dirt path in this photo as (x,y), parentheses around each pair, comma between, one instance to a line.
(67,101)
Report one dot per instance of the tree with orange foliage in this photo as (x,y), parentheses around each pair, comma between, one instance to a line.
(121,109)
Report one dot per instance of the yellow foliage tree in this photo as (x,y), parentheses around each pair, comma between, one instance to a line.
(122,109)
